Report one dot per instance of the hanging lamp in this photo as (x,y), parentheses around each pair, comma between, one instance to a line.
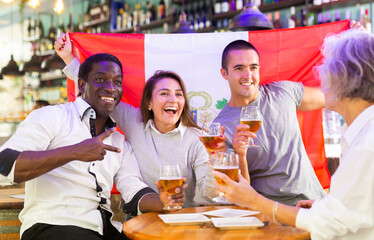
(250,19)
(53,62)
(11,69)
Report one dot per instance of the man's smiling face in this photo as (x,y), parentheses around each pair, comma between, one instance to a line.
(103,88)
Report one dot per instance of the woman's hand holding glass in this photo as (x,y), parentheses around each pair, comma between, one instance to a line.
(238,191)
(213,138)
(228,164)
(171,187)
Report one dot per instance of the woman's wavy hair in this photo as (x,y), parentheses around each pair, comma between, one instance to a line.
(348,68)
(146,114)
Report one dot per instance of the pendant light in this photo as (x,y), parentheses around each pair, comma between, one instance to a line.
(34,65)
(11,69)
(250,19)
(53,62)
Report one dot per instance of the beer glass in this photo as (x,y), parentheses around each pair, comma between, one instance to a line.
(227,163)
(251,116)
(170,180)
(210,138)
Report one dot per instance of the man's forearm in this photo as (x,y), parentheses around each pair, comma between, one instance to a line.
(32,164)
(151,203)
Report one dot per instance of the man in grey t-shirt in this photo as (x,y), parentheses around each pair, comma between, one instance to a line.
(279,169)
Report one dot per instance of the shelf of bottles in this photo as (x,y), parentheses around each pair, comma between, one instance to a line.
(325,11)
(144,16)
(319,5)
(97,17)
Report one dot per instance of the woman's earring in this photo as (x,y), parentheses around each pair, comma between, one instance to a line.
(150,109)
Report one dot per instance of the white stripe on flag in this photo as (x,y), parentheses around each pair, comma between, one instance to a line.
(197,59)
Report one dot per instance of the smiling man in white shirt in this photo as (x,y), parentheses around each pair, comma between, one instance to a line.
(70,156)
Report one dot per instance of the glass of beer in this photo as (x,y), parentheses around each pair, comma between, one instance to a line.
(171,179)
(211,138)
(227,163)
(251,116)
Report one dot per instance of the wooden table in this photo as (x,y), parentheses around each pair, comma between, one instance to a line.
(150,226)
(9,211)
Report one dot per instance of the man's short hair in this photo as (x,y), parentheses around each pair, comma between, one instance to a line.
(236,45)
(86,66)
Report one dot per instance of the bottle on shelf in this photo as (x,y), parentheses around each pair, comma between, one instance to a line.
(225,6)
(312,17)
(125,16)
(191,18)
(348,14)
(232,5)
(196,17)
(217,7)
(277,24)
(269,16)
(95,12)
(31,28)
(209,14)
(304,19)
(51,35)
(104,9)
(37,29)
(337,15)
(292,21)
(130,18)
(320,18)
(142,14)
(119,19)
(161,9)
(80,24)
(60,28)
(203,16)
(328,17)
(135,17)
(70,25)
(151,11)
(239,5)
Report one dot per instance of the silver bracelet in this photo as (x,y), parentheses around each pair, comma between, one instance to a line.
(275,208)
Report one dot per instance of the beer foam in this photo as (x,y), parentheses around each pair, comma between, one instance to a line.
(170,178)
(225,167)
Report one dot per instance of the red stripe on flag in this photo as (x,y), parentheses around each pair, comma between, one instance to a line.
(129,48)
(291,54)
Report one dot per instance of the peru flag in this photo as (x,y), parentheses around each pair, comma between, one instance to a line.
(286,54)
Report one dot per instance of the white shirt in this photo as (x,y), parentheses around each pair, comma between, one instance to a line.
(347,212)
(67,195)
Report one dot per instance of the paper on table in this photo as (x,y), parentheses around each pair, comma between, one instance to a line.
(237,223)
(184,218)
(230,212)
(22,196)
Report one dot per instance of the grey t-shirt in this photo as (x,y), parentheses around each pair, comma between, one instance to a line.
(280,168)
